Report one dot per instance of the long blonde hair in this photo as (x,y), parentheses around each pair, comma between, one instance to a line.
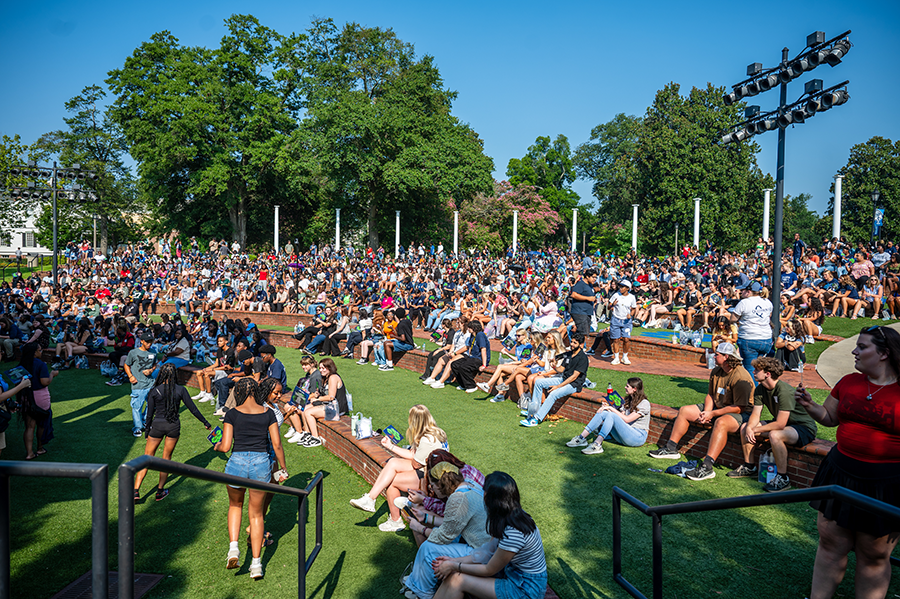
(421,424)
(558,345)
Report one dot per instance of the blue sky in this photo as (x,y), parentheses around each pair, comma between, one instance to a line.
(522,69)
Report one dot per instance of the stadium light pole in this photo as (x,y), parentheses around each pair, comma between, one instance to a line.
(818,51)
(32,192)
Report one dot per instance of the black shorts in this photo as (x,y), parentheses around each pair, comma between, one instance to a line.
(160,427)
(420,472)
(804,435)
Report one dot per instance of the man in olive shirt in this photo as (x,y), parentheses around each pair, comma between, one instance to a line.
(728,402)
(792,424)
(139,367)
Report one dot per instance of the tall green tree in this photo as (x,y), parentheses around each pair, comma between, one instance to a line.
(13,212)
(798,218)
(678,157)
(874,164)
(596,159)
(93,140)
(380,123)
(549,166)
(206,125)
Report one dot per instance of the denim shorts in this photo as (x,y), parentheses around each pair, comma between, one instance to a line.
(619,327)
(255,465)
(519,585)
(400,346)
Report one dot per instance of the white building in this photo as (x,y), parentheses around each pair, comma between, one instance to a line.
(22,238)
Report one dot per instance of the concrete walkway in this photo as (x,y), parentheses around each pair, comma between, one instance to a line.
(837,360)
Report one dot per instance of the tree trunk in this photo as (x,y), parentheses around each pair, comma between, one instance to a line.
(373,227)
(238,217)
(104,234)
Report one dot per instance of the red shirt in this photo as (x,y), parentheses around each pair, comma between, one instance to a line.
(868,430)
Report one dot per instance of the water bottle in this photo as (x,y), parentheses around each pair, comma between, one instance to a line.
(674,338)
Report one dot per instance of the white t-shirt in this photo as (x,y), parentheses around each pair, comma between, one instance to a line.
(755,314)
(622,305)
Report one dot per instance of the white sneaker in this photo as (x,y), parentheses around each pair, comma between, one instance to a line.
(219,412)
(361,362)
(429,381)
(392,525)
(256,571)
(437,385)
(484,387)
(625,360)
(402,502)
(290,433)
(364,503)
(299,438)
(231,562)
(199,395)
(616,361)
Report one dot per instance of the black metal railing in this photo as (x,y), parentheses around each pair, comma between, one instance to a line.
(727,503)
(126,512)
(98,474)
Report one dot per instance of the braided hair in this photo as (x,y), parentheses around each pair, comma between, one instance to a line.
(167,383)
(264,389)
(244,388)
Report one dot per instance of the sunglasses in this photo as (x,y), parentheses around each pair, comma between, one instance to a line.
(873,331)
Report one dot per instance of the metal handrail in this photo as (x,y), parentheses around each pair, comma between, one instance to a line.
(656,513)
(98,474)
(126,512)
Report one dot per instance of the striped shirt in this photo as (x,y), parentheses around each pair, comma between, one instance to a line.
(528,549)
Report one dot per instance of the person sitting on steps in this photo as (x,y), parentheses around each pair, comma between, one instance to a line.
(727,406)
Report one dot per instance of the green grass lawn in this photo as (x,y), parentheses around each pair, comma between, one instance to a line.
(184,537)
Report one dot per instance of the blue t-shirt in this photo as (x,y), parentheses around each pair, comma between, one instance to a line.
(277,372)
(788,279)
(581,306)
(477,343)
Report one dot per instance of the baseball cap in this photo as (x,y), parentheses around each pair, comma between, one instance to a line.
(624,283)
(147,336)
(755,287)
(728,349)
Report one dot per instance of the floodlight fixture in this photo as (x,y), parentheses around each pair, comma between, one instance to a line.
(835,98)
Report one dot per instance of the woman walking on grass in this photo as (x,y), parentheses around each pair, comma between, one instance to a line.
(250,433)
(163,421)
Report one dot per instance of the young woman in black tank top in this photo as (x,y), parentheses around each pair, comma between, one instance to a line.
(163,402)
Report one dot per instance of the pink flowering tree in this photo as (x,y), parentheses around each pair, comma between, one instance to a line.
(488,220)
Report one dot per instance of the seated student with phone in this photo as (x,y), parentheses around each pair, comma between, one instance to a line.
(310,383)
(329,403)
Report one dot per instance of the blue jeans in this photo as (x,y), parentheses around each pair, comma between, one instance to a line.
(378,353)
(540,411)
(751,349)
(139,407)
(434,319)
(315,343)
(178,362)
(400,346)
(422,580)
(611,424)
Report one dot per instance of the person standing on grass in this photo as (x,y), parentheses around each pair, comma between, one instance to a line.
(139,368)
(727,406)
(623,305)
(250,432)
(582,301)
(865,459)
(792,424)
(163,402)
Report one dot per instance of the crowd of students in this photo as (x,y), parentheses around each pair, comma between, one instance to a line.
(541,305)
